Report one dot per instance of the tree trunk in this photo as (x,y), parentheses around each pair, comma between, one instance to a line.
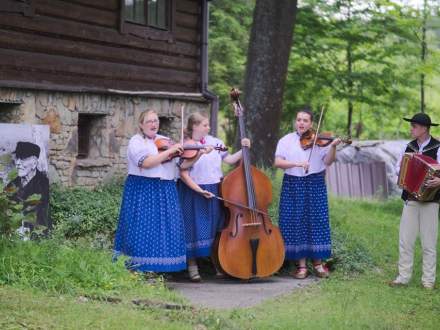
(268,56)
(350,79)
(350,89)
(423,56)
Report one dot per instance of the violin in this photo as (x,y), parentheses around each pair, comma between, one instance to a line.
(323,140)
(190,148)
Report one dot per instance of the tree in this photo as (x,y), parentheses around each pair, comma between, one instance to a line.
(348,49)
(266,70)
(385,38)
(424,15)
(228,43)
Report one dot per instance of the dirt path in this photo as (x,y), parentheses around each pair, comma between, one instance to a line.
(230,293)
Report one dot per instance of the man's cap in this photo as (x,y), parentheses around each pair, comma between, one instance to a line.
(421,119)
(26,149)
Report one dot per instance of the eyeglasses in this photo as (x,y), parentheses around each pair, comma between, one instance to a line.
(153,121)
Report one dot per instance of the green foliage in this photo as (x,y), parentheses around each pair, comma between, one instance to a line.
(87,214)
(230,24)
(13,213)
(345,51)
(382,85)
(61,268)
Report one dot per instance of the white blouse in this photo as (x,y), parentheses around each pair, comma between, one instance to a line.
(140,148)
(289,148)
(208,168)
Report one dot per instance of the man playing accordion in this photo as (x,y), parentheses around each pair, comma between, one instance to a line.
(419,215)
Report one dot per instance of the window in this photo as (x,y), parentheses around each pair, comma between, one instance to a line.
(154,13)
(90,135)
(148,19)
(166,126)
(10,110)
(83,136)
(25,7)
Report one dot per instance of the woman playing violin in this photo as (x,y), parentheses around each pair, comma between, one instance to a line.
(150,228)
(202,214)
(303,209)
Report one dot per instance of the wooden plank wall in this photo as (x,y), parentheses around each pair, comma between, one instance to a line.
(77,45)
(364,180)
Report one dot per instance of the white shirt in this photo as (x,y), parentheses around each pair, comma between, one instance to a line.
(140,148)
(208,168)
(421,148)
(289,148)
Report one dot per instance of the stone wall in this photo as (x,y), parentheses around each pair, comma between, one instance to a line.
(113,120)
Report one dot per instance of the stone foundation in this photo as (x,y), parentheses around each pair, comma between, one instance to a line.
(111,118)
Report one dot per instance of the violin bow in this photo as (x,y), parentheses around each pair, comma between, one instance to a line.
(241,205)
(316,137)
(181,116)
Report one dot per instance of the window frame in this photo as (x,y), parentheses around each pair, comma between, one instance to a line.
(149,32)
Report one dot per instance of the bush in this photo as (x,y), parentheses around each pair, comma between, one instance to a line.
(89,214)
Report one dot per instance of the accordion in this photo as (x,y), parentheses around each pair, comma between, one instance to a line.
(415,170)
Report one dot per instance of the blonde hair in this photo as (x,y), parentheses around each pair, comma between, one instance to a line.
(144,114)
(194,119)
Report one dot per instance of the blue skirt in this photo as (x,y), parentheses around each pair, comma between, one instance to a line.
(202,218)
(303,217)
(150,228)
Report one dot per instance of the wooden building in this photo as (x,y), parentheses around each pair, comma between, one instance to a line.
(88,68)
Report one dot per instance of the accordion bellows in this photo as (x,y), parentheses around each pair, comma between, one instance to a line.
(415,170)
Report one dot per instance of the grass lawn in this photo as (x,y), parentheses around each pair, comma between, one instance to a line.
(345,301)
(20,309)
(364,301)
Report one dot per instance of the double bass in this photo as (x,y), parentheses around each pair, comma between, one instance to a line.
(250,246)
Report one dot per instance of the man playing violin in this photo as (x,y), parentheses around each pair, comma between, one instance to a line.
(419,217)
(303,209)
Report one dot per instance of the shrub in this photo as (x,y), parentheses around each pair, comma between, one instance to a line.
(90,214)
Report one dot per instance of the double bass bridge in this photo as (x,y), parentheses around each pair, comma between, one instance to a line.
(255,224)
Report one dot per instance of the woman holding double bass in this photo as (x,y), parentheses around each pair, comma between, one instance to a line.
(203,215)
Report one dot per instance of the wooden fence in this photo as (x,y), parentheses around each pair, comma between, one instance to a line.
(362,180)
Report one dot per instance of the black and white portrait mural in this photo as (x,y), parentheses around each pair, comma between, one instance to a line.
(24,150)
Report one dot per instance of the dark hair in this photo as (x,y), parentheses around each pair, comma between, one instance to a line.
(306,109)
